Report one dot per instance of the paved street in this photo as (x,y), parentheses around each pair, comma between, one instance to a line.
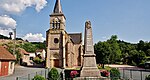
(21,71)
(129,72)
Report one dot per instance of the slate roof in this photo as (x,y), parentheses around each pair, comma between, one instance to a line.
(76,37)
(5,54)
(57,8)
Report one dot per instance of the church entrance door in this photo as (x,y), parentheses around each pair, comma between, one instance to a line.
(56,62)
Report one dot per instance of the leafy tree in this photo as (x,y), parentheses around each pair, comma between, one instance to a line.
(115,49)
(40,45)
(136,57)
(29,47)
(141,45)
(148,52)
(102,51)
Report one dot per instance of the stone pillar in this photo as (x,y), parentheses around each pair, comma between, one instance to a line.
(64,50)
(89,68)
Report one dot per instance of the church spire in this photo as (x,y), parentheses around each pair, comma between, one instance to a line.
(57,8)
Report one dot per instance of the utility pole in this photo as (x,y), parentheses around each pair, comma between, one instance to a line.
(14,41)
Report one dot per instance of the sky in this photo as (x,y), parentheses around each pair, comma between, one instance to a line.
(128,19)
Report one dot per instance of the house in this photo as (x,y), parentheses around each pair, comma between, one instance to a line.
(41,52)
(24,57)
(32,56)
(7,62)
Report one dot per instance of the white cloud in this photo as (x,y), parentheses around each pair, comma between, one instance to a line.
(5,32)
(40,5)
(17,6)
(34,37)
(7,22)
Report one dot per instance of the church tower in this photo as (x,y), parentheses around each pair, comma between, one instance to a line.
(57,18)
(64,50)
(55,38)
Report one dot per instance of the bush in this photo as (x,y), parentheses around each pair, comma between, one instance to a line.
(147,77)
(73,74)
(114,74)
(70,72)
(141,65)
(24,63)
(38,77)
(53,74)
(104,73)
(37,60)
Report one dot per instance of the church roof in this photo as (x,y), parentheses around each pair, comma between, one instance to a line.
(5,54)
(76,37)
(57,8)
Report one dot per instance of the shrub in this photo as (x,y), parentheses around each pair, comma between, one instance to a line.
(99,67)
(53,74)
(141,65)
(104,73)
(114,74)
(37,60)
(133,63)
(147,77)
(73,74)
(69,71)
(38,77)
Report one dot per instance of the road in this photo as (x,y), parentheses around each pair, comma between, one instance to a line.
(21,71)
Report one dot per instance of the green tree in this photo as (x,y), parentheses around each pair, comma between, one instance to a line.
(40,45)
(141,45)
(136,57)
(148,52)
(102,51)
(29,47)
(115,54)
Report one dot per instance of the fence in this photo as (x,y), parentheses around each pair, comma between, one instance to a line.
(31,75)
(134,74)
(126,74)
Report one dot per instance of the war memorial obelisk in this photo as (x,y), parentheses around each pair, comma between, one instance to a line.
(89,68)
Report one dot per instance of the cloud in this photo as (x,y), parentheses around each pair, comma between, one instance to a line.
(5,32)
(34,37)
(7,22)
(17,6)
(40,5)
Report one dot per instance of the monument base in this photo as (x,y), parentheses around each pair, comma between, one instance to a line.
(90,72)
(91,78)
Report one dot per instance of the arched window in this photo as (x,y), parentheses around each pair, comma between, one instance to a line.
(56,24)
(53,24)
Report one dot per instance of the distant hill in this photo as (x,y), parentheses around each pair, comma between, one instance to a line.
(3,37)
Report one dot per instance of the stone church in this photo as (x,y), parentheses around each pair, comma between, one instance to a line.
(64,49)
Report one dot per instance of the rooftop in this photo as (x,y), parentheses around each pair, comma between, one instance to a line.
(5,54)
